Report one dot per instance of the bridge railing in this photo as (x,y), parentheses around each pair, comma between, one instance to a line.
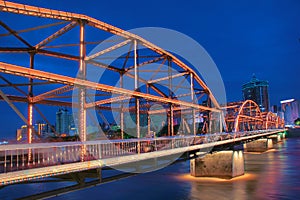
(16,157)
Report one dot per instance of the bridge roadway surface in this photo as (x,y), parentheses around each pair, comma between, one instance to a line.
(178,145)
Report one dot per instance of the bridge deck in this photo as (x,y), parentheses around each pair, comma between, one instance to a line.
(35,172)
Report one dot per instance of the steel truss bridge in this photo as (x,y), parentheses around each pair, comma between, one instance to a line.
(45,63)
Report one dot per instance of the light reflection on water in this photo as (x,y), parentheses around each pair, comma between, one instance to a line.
(188,177)
(271,175)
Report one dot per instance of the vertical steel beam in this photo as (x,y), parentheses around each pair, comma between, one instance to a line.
(30,108)
(193,101)
(148,123)
(121,110)
(169,121)
(172,119)
(136,78)
(81,89)
(137,101)
(148,109)
(170,76)
(29,127)
(220,122)
(170,114)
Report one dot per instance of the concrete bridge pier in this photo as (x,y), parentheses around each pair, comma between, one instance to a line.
(223,164)
(275,138)
(282,135)
(260,145)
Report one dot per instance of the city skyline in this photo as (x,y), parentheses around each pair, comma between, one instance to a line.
(242,38)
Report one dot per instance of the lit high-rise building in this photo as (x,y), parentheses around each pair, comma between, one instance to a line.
(257,90)
(63,121)
(291,110)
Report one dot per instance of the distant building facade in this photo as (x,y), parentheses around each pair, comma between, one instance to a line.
(291,110)
(258,91)
(274,109)
(43,129)
(22,133)
(64,121)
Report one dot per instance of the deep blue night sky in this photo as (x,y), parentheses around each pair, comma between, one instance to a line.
(243,37)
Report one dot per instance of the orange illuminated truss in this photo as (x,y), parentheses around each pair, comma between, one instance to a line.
(247,116)
(51,26)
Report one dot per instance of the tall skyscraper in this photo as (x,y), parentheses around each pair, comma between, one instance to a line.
(63,121)
(291,110)
(257,91)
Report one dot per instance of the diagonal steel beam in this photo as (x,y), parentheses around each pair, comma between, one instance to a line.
(179,85)
(15,34)
(159,68)
(189,94)
(47,121)
(107,101)
(119,45)
(56,35)
(13,85)
(33,28)
(5,98)
(168,77)
(127,56)
(150,85)
(22,99)
(57,54)
(146,63)
(158,91)
(52,93)
(105,66)
(8,101)
(39,51)
(123,71)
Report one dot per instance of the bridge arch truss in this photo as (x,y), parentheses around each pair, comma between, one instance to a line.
(271,120)
(49,85)
(247,116)
(244,116)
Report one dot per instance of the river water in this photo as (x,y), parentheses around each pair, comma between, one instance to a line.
(271,175)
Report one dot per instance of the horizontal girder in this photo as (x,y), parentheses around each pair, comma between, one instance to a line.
(37,74)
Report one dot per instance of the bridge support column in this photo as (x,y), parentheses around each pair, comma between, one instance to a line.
(223,164)
(82,124)
(193,101)
(260,145)
(30,105)
(121,110)
(282,135)
(275,138)
(99,174)
(137,100)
